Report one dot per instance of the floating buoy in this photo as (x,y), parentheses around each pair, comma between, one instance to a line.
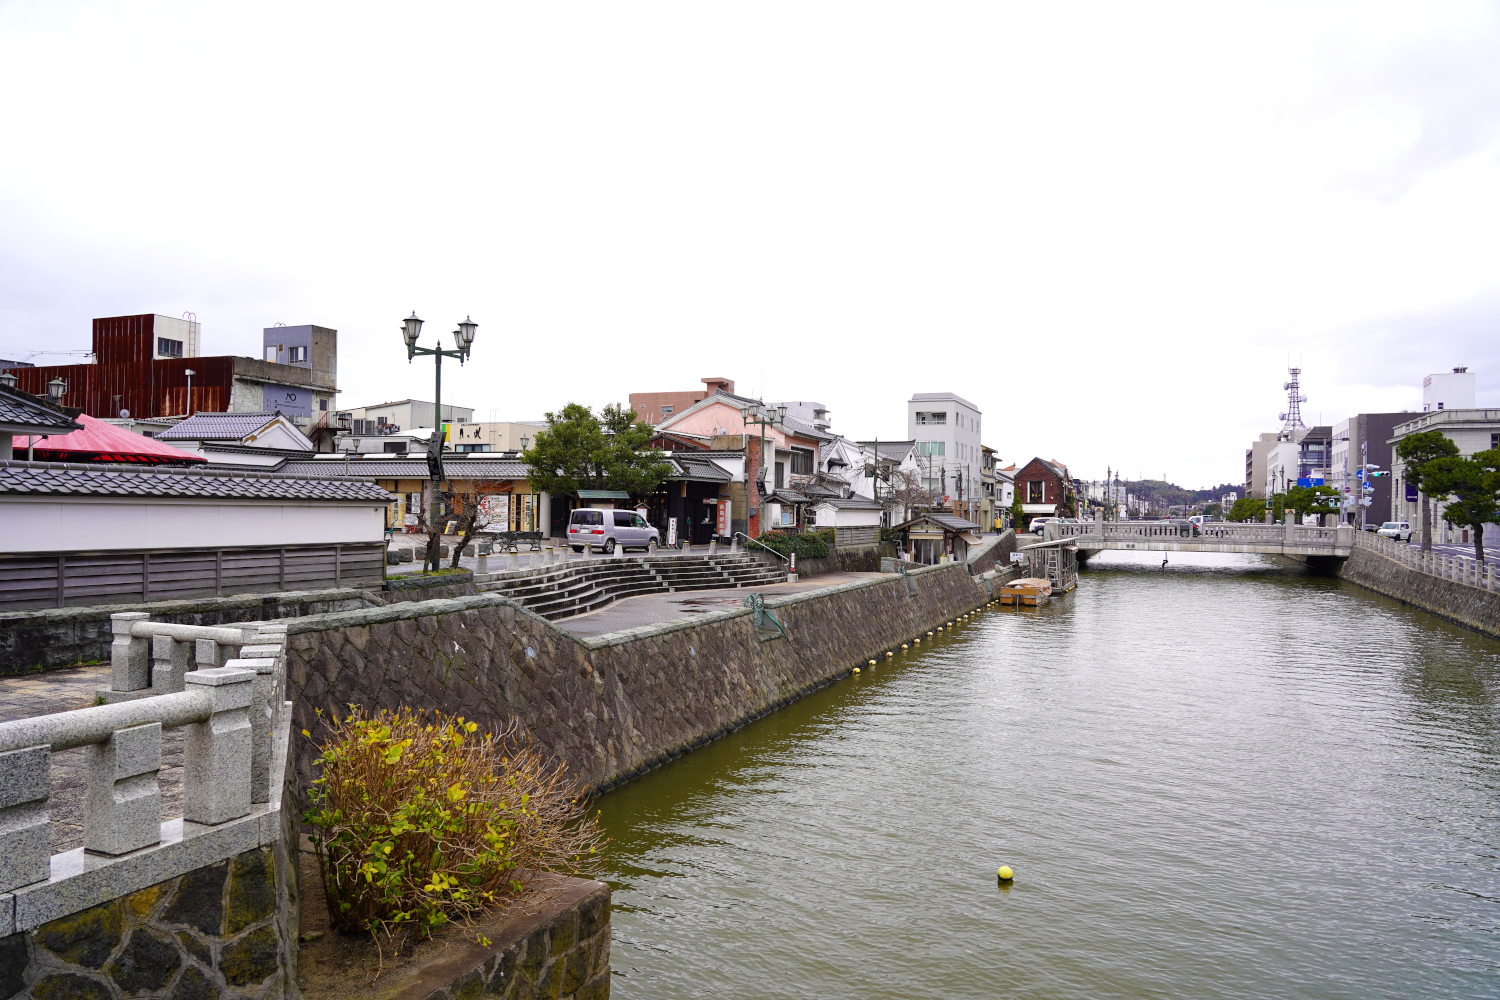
(903,645)
(929,632)
(1005,873)
(856,670)
(872,663)
(889,654)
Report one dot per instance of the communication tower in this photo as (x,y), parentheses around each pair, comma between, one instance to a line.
(1291,420)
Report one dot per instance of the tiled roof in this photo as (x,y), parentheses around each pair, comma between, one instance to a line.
(893,451)
(787,496)
(950,521)
(408,468)
(56,479)
(217,427)
(698,467)
(802,428)
(853,503)
(23,412)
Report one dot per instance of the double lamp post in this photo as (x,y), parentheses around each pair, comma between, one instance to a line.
(411,329)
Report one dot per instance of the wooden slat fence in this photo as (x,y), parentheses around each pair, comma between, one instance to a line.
(67,579)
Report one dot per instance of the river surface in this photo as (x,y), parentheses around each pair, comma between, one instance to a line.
(1218,780)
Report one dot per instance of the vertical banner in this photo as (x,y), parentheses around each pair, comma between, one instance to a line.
(723,526)
(672,532)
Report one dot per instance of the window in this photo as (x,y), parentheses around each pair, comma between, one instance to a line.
(802,462)
(273,351)
(666,411)
(624,519)
(1036,492)
(471,447)
(323,405)
(931,447)
(395,447)
(931,417)
(1495,440)
(168,348)
(296,355)
(588,517)
(780,475)
(786,516)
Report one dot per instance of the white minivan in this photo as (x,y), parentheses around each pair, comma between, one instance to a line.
(1399,530)
(605,529)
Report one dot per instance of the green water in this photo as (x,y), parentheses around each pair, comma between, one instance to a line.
(1217,781)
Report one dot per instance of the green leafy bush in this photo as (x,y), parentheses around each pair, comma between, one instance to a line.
(890,535)
(812,544)
(418,821)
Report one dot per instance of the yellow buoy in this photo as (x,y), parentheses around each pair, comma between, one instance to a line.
(1005,873)
(856,670)
(888,653)
(929,632)
(903,645)
(872,663)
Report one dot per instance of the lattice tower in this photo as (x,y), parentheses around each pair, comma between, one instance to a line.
(1291,420)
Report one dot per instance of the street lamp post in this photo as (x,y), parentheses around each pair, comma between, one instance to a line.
(411,329)
(765,417)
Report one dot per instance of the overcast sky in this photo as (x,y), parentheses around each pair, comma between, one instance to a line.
(1109,226)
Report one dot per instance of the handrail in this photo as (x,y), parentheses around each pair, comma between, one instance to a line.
(757,541)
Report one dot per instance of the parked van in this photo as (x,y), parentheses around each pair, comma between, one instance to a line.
(605,529)
(1399,530)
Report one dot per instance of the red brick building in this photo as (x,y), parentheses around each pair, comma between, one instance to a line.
(1045,488)
(654,407)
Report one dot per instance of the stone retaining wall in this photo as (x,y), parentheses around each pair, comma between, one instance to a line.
(1478,609)
(856,559)
(615,705)
(994,552)
(65,637)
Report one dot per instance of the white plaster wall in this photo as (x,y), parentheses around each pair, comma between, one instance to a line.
(830,517)
(53,524)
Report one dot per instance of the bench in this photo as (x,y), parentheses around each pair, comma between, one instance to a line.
(512,541)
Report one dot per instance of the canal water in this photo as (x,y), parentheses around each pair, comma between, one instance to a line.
(1221,779)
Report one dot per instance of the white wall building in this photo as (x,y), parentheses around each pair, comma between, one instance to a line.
(947,429)
(1448,391)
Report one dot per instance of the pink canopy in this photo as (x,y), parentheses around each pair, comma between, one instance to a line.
(102,442)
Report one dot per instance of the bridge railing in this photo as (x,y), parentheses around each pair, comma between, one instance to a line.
(236,722)
(1232,531)
(1465,570)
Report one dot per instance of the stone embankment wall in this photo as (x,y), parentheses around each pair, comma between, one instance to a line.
(615,705)
(64,637)
(1478,609)
(851,559)
(227,931)
(993,553)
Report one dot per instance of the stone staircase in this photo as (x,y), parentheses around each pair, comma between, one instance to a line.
(587,585)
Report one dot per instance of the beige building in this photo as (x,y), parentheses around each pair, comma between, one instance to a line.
(494,436)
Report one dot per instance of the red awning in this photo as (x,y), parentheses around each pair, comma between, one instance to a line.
(103,442)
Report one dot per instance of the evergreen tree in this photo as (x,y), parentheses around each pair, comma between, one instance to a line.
(1471,487)
(1415,451)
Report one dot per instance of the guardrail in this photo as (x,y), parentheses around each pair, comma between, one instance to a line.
(236,718)
(1459,569)
(1294,534)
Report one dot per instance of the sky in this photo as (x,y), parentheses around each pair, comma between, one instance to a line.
(1111,226)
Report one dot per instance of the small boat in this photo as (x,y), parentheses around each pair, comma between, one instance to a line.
(1030,591)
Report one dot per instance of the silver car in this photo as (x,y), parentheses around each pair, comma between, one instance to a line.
(606,529)
(1399,530)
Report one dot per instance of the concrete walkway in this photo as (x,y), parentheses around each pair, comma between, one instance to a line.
(652,609)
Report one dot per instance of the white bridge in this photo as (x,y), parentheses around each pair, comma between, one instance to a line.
(1164,536)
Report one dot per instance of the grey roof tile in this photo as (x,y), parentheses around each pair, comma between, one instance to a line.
(54,478)
(25,410)
(407,468)
(217,426)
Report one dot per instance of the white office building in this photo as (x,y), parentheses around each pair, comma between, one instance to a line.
(947,430)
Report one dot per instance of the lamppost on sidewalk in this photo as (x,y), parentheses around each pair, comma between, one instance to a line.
(411,329)
(765,417)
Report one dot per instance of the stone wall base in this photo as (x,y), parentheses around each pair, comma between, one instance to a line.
(1478,609)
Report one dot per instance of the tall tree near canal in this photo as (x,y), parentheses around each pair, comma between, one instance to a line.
(1472,489)
(1415,451)
(581,451)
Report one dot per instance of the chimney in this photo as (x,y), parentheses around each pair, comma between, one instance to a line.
(718,384)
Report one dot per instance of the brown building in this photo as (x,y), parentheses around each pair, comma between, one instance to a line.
(149,365)
(1044,488)
(654,407)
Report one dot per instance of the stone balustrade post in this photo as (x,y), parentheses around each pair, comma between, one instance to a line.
(512,560)
(261,712)
(217,755)
(25,826)
(122,810)
(169,664)
(734,546)
(713,546)
(482,564)
(129,655)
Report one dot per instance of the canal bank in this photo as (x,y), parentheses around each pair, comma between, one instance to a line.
(1468,605)
(1216,781)
(613,706)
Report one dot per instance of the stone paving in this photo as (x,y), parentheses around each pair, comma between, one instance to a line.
(26,695)
(650,609)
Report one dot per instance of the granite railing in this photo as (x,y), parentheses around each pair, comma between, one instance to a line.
(236,718)
(1231,531)
(1465,570)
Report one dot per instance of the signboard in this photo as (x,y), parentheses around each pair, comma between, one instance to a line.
(723,526)
(292,402)
(1307,483)
(1411,493)
(672,532)
(496,509)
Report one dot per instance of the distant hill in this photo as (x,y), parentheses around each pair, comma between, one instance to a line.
(1164,494)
